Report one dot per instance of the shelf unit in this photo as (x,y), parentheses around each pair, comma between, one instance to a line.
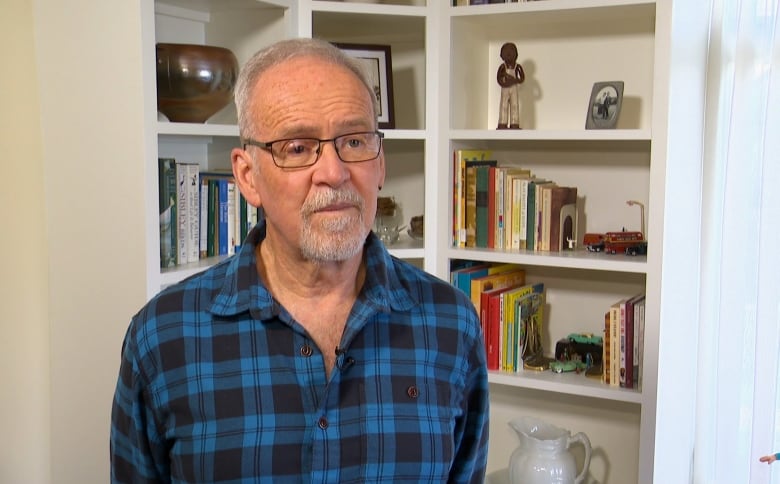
(564,47)
(444,61)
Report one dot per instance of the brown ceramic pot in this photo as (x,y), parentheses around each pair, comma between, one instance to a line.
(194,81)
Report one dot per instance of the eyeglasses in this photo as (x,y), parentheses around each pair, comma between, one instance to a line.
(304,152)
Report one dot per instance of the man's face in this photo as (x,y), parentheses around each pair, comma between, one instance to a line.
(326,210)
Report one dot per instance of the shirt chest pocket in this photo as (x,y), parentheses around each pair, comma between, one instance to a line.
(403,423)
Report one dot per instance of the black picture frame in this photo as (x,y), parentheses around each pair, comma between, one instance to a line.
(606,99)
(379,67)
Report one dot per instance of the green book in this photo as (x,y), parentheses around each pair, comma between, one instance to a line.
(482,203)
(530,234)
(168,215)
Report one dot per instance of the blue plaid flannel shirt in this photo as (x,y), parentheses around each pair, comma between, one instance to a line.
(219,384)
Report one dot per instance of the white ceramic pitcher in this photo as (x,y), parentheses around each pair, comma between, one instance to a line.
(543,456)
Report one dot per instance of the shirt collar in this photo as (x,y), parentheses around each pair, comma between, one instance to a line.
(242,290)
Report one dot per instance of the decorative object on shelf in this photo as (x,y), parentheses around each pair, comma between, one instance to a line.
(416,227)
(385,207)
(194,81)
(606,98)
(641,205)
(623,242)
(378,64)
(585,348)
(531,317)
(386,227)
(543,456)
(509,76)
(389,235)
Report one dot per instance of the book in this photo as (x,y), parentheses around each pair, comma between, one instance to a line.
(522,197)
(639,337)
(562,217)
(213,180)
(533,208)
(461,277)
(222,216)
(492,326)
(607,350)
(471,199)
(511,173)
(187,207)
(181,213)
(212,236)
(482,204)
(498,202)
(543,231)
(193,212)
(615,346)
(168,217)
(512,277)
(625,352)
(460,159)
(519,211)
(514,324)
(492,209)
(204,218)
(628,359)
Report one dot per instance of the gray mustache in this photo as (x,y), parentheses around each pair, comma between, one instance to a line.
(328,197)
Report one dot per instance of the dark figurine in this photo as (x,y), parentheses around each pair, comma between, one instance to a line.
(510,75)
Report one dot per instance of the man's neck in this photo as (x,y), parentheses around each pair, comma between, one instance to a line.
(288,274)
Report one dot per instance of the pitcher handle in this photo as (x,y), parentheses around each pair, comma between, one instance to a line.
(582,438)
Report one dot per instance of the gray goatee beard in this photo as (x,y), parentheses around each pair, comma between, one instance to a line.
(333,238)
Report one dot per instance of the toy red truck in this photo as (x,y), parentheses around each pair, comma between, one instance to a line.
(624,242)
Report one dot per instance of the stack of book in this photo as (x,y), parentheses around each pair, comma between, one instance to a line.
(202,214)
(624,328)
(507,307)
(509,208)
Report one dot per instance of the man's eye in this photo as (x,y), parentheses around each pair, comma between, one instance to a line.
(297,147)
(354,142)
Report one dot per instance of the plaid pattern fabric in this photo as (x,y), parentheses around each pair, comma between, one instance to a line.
(219,384)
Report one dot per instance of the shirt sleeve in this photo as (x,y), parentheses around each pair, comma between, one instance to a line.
(137,450)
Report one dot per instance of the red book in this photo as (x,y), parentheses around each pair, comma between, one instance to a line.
(491,305)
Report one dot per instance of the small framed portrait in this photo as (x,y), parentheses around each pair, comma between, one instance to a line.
(606,99)
(378,65)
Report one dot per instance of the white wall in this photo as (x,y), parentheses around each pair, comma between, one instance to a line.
(89,80)
(24,358)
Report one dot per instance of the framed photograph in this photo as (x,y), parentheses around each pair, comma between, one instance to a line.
(378,65)
(606,99)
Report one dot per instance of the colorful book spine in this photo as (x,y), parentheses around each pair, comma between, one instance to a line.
(181,213)
(223,236)
(193,212)
(168,215)
(482,195)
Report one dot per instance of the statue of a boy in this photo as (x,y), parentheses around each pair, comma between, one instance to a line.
(510,75)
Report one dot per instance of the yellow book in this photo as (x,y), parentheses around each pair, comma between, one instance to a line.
(511,277)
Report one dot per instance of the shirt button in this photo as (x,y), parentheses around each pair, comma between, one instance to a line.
(412,391)
(323,423)
(306,350)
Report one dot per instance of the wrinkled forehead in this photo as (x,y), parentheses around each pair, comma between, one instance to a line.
(304,84)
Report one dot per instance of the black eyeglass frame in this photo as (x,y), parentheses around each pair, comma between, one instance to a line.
(267,146)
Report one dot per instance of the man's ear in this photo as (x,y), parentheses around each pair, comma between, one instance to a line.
(243,172)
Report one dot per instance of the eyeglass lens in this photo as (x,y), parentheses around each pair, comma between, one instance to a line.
(353,147)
